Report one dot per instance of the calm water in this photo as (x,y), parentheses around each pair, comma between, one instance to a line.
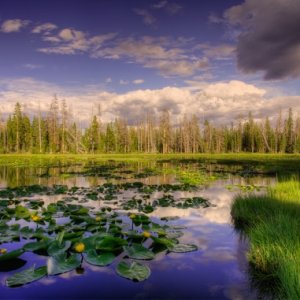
(218,270)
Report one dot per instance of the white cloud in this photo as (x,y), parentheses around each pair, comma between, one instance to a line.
(13,25)
(45,28)
(168,56)
(232,88)
(138,81)
(220,102)
(70,41)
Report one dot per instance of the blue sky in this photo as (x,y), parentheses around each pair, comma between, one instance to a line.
(121,52)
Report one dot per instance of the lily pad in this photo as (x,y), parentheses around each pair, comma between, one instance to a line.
(56,247)
(34,246)
(26,276)
(61,264)
(22,212)
(104,259)
(110,244)
(11,255)
(182,248)
(137,251)
(134,271)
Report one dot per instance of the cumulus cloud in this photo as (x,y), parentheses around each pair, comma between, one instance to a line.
(13,25)
(219,102)
(269,36)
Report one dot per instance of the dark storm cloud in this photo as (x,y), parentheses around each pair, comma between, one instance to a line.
(269,38)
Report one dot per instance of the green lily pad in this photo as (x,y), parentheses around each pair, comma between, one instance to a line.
(110,244)
(182,248)
(22,212)
(134,271)
(26,276)
(104,259)
(56,247)
(137,251)
(34,246)
(164,241)
(11,255)
(61,264)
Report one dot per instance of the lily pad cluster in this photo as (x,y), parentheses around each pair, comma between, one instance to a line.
(70,236)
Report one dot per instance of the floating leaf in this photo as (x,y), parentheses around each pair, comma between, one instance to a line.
(134,271)
(26,276)
(22,212)
(11,255)
(104,259)
(181,248)
(34,246)
(164,241)
(110,244)
(137,251)
(61,264)
(56,248)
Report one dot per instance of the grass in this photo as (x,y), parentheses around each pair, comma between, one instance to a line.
(272,224)
(261,162)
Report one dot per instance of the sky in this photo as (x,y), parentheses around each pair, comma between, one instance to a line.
(215,59)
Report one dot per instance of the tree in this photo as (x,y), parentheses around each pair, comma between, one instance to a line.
(289,133)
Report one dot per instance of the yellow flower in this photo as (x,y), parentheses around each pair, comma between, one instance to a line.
(79,247)
(3,251)
(35,218)
(146,234)
(132,216)
(98,219)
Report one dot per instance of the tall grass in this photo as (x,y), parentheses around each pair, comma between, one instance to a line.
(272,224)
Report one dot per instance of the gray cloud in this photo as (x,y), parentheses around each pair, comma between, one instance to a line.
(269,37)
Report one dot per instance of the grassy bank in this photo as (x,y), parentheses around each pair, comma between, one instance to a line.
(272,224)
(274,162)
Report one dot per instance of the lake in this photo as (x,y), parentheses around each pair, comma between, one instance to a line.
(177,203)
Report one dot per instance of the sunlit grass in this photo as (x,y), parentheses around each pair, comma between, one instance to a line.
(264,161)
(272,224)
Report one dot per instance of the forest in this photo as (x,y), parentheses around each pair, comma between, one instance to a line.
(57,132)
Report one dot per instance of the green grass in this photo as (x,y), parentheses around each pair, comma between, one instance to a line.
(263,162)
(272,224)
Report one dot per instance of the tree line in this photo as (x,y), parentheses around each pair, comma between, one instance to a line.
(57,132)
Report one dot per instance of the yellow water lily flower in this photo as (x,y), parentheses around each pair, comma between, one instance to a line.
(79,247)
(132,216)
(98,219)
(36,218)
(146,234)
(3,251)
